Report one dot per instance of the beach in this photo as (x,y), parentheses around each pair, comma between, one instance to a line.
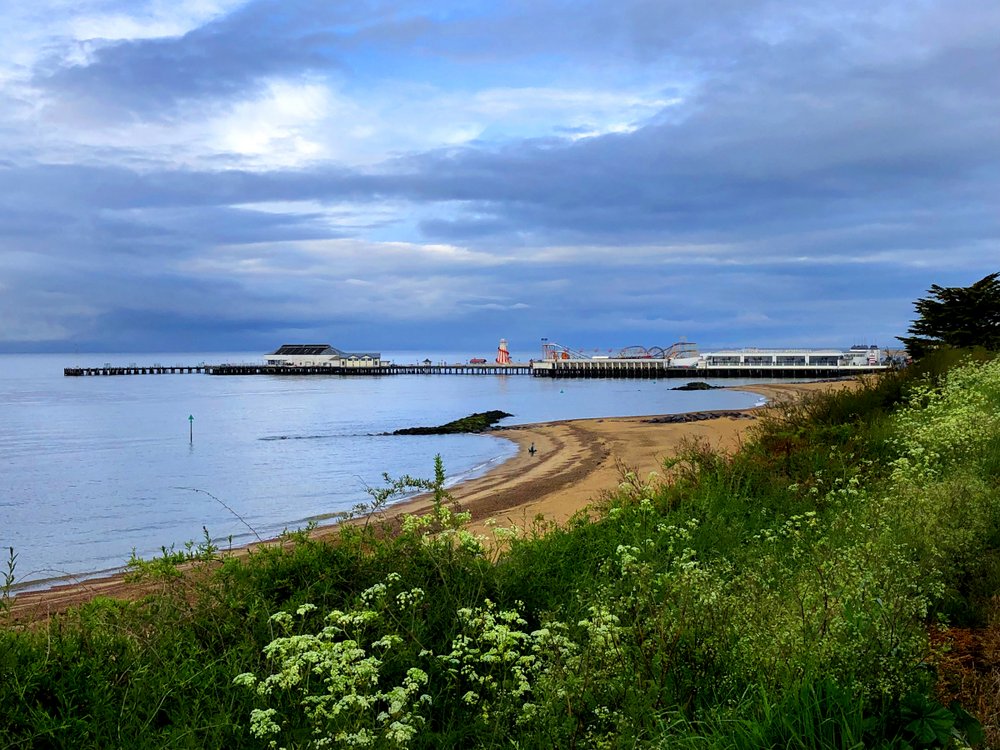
(575,461)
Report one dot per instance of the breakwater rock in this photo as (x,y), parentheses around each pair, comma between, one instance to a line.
(698,416)
(478,422)
(696,385)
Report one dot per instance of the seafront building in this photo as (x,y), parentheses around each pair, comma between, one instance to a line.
(321,355)
(856,356)
(682,360)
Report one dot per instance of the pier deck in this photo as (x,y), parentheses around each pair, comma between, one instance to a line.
(516,368)
(135,370)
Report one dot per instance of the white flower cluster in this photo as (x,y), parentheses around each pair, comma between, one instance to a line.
(492,655)
(336,674)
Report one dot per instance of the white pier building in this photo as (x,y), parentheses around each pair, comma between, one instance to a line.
(728,363)
(321,355)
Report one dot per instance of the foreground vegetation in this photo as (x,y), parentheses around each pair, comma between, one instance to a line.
(797,594)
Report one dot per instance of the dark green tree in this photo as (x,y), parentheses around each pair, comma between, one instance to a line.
(957,316)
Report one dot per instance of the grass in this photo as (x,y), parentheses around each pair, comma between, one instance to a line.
(781,597)
(8,581)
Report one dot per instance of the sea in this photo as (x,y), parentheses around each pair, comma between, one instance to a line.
(94,469)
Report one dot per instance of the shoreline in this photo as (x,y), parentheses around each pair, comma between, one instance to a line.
(576,461)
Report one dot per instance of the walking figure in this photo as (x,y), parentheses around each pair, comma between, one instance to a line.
(531,450)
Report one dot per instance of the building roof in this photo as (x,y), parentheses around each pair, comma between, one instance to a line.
(320,350)
(306,349)
(754,350)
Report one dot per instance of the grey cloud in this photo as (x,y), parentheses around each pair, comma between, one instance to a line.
(220,59)
(556,30)
(758,148)
(299,37)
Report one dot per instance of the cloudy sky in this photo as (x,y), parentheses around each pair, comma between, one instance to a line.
(185,175)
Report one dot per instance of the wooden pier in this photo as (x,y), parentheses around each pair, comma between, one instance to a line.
(515,368)
(135,370)
(649,369)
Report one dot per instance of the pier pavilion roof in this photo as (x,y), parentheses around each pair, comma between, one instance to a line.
(319,350)
(312,349)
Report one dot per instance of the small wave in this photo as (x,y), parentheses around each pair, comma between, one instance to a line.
(298,437)
(47,578)
(474,472)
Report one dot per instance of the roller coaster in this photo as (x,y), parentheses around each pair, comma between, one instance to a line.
(680,349)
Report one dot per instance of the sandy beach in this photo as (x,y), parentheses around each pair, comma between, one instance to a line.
(577,460)
(574,462)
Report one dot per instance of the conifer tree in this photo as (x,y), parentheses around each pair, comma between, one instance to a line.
(957,316)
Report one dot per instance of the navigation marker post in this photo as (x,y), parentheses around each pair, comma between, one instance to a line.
(191,428)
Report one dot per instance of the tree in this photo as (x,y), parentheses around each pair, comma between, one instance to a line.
(957,316)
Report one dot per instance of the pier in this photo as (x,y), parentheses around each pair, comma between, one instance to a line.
(681,360)
(108,370)
(648,369)
(514,368)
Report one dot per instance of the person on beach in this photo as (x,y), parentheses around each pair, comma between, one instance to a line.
(531,450)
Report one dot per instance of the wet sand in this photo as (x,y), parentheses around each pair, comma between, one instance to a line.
(574,463)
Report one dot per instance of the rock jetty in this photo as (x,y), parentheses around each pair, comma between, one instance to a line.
(478,422)
(698,416)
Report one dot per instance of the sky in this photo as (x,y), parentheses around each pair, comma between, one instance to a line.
(199,175)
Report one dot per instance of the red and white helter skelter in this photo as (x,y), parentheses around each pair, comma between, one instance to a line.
(503,356)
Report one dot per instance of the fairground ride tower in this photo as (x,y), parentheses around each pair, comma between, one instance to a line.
(503,356)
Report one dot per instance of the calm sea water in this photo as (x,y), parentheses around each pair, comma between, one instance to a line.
(94,467)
